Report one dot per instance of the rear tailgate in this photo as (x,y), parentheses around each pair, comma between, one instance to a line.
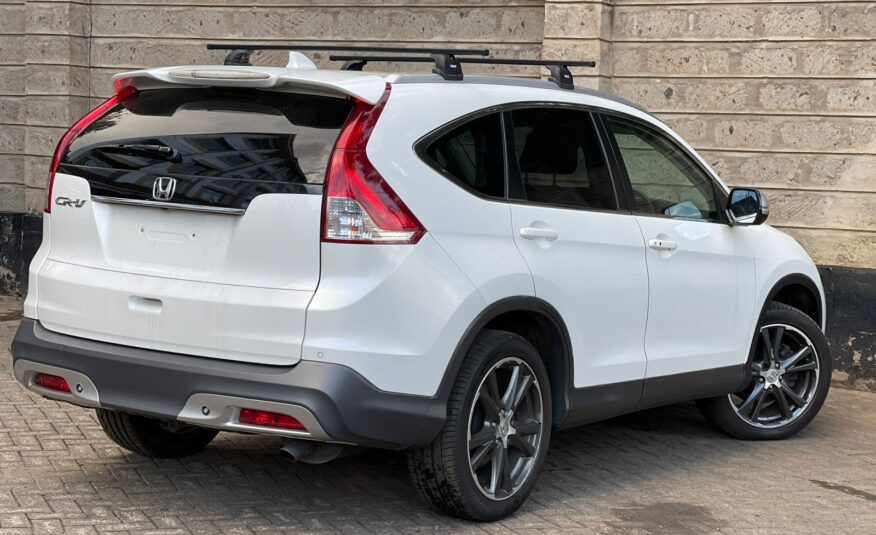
(199,230)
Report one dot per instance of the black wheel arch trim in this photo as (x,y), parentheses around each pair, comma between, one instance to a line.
(561,401)
(803,280)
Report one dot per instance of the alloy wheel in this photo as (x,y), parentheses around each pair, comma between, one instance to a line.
(505,429)
(784,375)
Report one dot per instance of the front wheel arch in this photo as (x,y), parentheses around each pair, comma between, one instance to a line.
(786,290)
(786,282)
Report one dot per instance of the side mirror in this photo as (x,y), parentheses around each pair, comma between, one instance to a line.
(747,206)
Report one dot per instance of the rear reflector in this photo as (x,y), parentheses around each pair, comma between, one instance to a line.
(269,419)
(52,382)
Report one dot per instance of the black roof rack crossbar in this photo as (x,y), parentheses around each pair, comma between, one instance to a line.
(356,63)
(446,64)
(240,53)
(352,48)
(559,69)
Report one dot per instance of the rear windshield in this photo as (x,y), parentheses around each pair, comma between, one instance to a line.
(224,146)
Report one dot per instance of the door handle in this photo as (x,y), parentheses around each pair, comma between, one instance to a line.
(535,233)
(662,245)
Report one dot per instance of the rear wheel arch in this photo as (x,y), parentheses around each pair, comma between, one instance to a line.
(540,324)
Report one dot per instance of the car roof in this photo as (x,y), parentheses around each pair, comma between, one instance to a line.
(364,85)
(511,81)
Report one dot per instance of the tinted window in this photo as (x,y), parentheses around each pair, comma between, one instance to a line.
(560,159)
(664,179)
(473,155)
(224,146)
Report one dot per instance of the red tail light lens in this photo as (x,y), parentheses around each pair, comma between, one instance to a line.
(269,419)
(359,206)
(73,133)
(52,382)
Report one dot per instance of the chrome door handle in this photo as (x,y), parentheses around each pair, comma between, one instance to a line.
(662,245)
(535,233)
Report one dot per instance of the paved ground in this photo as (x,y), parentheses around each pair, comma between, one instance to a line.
(661,471)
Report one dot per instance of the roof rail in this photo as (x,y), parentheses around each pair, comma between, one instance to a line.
(445,60)
(559,68)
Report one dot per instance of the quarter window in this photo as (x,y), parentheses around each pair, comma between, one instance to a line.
(473,155)
(664,179)
(560,160)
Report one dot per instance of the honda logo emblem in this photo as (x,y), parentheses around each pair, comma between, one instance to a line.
(163,188)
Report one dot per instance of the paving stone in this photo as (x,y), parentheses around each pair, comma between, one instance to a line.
(656,472)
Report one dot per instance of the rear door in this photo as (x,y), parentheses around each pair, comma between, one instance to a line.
(586,257)
(701,287)
(187,220)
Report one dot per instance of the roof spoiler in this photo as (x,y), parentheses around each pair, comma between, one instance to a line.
(366,88)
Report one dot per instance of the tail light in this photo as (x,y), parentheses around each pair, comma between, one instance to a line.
(358,205)
(269,419)
(80,125)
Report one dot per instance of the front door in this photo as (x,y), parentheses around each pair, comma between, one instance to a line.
(701,287)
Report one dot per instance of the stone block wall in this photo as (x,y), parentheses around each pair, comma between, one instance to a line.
(13,108)
(780,95)
(777,95)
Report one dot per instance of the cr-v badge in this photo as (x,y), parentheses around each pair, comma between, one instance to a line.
(163,188)
(67,201)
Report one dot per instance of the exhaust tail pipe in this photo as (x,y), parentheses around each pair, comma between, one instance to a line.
(297,450)
(307,451)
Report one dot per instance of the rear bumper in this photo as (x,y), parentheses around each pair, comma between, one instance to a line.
(334,402)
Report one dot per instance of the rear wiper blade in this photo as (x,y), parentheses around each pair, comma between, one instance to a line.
(169,153)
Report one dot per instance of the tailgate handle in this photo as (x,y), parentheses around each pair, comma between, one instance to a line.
(144,304)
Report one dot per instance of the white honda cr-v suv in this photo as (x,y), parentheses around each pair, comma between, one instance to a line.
(449,265)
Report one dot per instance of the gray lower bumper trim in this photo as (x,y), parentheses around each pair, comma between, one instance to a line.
(346,406)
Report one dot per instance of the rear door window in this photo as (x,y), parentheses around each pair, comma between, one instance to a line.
(224,147)
(559,159)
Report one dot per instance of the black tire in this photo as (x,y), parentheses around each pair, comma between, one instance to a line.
(154,438)
(720,410)
(442,472)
